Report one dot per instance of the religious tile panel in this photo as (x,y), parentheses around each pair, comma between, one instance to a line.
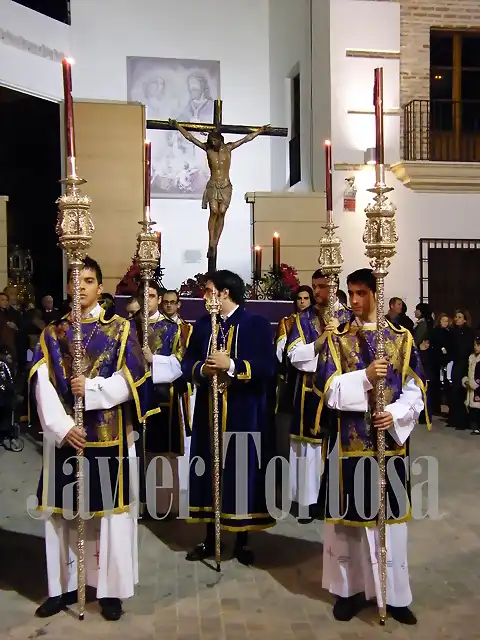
(183,90)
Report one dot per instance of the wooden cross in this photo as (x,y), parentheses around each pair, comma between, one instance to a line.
(216,125)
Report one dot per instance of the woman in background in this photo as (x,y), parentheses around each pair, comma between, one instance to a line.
(441,344)
(461,348)
(422,335)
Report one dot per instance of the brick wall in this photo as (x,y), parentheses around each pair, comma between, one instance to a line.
(417,17)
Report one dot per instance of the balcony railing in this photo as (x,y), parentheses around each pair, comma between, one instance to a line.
(442,130)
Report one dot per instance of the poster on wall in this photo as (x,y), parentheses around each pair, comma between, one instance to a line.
(183,90)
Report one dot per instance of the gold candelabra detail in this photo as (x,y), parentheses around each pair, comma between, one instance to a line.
(330,260)
(75,230)
(147,257)
(380,238)
(212,305)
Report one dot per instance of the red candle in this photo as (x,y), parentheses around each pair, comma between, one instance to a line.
(68,114)
(276,252)
(328,174)
(257,271)
(148,178)
(378,102)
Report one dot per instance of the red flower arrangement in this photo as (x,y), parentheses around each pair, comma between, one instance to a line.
(289,277)
(130,282)
(193,287)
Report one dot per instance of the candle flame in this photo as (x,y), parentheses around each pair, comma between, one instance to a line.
(327,143)
(258,248)
(69,61)
(276,235)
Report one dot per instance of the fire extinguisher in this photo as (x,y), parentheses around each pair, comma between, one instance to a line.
(350,194)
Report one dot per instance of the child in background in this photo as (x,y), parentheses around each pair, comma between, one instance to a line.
(472,384)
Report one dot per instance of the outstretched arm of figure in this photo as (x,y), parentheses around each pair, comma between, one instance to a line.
(186,134)
(248,138)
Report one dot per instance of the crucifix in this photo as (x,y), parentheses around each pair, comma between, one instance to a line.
(218,191)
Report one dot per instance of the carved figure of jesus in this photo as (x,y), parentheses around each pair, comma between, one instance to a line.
(218,191)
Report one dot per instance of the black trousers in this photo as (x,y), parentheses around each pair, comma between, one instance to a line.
(474,418)
(457,416)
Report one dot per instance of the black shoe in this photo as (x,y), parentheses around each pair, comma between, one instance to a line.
(476,432)
(111,608)
(202,551)
(402,614)
(347,608)
(305,520)
(54,605)
(244,555)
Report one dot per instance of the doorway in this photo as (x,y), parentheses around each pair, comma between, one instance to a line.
(448,273)
(30,170)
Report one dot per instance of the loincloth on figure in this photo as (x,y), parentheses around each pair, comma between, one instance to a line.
(219,191)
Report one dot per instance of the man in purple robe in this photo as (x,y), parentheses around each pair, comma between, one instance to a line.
(168,432)
(345,383)
(305,340)
(114,387)
(245,365)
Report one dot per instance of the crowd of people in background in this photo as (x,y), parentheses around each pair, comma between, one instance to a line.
(450,351)
(449,348)
(20,329)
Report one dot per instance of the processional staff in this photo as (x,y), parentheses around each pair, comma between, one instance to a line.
(75,230)
(380,238)
(147,256)
(212,305)
(330,258)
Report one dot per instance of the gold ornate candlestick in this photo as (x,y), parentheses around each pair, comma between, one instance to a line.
(330,258)
(213,307)
(147,257)
(75,230)
(330,261)
(380,238)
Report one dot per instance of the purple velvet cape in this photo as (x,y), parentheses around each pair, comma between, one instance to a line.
(165,430)
(111,346)
(247,406)
(305,330)
(349,488)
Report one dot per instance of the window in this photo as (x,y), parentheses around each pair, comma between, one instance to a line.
(56,9)
(455,81)
(294,144)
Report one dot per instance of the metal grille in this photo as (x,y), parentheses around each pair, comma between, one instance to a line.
(438,243)
(441,130)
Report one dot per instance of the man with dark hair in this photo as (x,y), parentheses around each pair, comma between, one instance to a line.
(132,307)
(397,313)
(304,342)
(345,383)
(114,375)
(171,305)
(245,366)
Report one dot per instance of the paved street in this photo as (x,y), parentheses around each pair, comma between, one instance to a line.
(281,598)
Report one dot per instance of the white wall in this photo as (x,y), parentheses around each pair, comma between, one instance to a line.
(290,54)
(25,71)
(236,34)
(104,33)
(300,42)
(376,25)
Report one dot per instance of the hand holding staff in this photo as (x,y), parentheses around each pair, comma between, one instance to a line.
(213,307)
(380,238)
